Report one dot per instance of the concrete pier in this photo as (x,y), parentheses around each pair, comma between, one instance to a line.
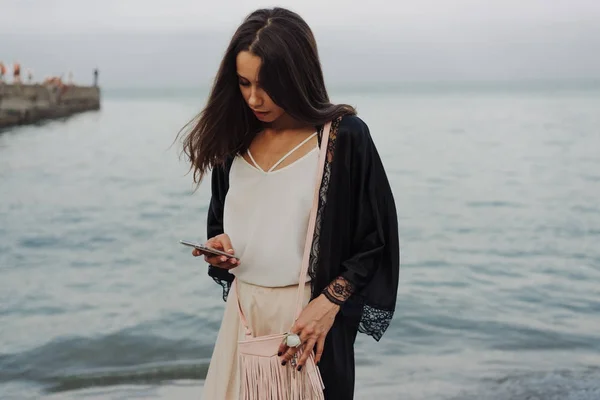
(25,104)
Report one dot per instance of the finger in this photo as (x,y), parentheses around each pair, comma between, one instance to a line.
(226,243)
(306,351)
(287,356)
(196,253)
(215,243)
(288,352)
(282,349)
(215,260)
(320,347)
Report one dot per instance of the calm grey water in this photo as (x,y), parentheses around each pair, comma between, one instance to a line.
(498,198)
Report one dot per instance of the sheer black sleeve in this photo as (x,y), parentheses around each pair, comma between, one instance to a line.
(369,274)
(214,221)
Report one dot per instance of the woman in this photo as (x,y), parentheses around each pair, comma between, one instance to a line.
(259,134)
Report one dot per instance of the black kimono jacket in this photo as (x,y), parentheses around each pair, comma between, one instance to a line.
(356,238)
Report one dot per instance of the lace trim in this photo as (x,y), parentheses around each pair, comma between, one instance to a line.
(314,251)
(374,321)
(225,285)
(339,290)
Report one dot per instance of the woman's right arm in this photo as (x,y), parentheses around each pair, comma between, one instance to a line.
(214,226)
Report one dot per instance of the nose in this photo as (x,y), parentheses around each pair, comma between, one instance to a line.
(255,99)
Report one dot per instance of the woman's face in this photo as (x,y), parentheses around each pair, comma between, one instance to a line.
(248,68)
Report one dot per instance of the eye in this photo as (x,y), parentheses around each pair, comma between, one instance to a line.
(244,82)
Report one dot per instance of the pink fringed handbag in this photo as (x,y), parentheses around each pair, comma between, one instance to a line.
(262,377)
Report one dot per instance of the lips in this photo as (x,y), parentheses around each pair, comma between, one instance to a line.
(260,114)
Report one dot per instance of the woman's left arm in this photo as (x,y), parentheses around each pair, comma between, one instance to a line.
(375,212)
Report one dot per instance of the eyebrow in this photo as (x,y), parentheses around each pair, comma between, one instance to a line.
(246,79)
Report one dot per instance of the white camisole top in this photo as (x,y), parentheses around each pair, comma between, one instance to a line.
(266,216)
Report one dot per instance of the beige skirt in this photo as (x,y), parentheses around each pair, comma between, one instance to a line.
(268,311)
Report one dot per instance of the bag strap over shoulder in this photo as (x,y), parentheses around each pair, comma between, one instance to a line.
(312,220)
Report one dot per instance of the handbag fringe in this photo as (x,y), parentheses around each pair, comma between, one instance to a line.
(264,378)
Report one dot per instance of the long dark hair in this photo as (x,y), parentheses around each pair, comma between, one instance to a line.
(290,74)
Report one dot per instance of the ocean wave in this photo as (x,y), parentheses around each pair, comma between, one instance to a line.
(120,358)
(144,373)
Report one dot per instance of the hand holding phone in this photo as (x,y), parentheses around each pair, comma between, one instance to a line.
(217,251)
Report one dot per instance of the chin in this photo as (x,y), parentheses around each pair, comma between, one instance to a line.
(268,118)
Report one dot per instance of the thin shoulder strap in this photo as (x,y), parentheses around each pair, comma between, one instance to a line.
(290,152)
(312,221)
(254,161)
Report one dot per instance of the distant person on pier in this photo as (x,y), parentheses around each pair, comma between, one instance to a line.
(2,71)
(17,72)
(95,77)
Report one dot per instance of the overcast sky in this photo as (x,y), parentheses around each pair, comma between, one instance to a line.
(179,42)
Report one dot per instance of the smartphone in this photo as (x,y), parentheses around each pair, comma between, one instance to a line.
(207,249)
